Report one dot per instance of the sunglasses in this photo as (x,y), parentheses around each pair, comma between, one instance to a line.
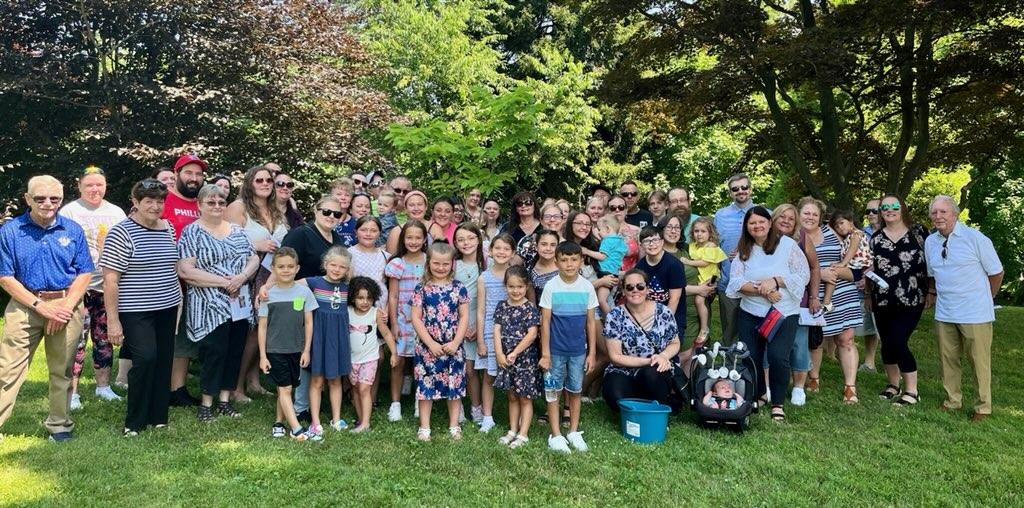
(525,202)
(283,184)
(618,208)
(628,194)
(871,211)
(327,213)
(894,206)
(376,184)
(220,203)
(740,188)
(945,250)
(262,181)
(635,287)
(358,183)
(150,184)
(52,199)
(400,191)
(93,170)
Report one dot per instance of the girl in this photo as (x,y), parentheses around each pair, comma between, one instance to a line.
(330,355)
(404,271)
(705,254)
(516,321)
(856,259)
(364,321)
(468,265)
(545,269)
(657,204)
(490,290)
(441,223)
(369,260)
(440,308)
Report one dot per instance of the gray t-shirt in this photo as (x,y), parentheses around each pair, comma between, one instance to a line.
(285,310)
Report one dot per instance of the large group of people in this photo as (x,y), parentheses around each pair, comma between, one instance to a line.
(448,297)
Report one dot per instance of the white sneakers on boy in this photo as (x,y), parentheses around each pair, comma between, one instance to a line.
(105,393)
(76,402)
(577,442)
(799,397)
(558,444)
(487,424)
(395,412)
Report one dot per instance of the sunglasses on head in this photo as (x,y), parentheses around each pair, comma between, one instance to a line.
(262,180)
(871,211)
(282,184)
(150,184)
(52,199)
(740,188)
(635,287)
(617,208)
(376,184)
(328,213)
(894,206)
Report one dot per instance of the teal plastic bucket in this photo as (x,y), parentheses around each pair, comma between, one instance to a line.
(644,421)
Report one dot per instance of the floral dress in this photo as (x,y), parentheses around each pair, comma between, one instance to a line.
(902,265)
(408,275)
(620,326)
(522,378)
(440,377)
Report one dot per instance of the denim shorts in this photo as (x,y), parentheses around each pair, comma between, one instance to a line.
(800,356)
(566,374)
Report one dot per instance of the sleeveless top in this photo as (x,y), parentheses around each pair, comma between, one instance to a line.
(258,232)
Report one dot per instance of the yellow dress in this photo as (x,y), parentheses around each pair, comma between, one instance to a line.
(710,253)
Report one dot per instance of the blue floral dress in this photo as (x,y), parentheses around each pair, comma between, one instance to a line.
(330,351)
(522,378)
(440,377)
(621,327)
(408,275)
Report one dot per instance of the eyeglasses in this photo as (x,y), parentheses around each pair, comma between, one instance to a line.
(945,250)
(525,202)
(740,188)
(52,199)
(581,223)
(400,191)
(871,211)
(884,207)
(617,208)
(150,184)
(672,227)
(262,181)
(220,203)
(327,213)
(628,194)
(651,240)
(283,184)
(635,287)
(552,216)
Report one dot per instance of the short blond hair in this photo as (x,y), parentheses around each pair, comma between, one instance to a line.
(609,221)
(389,195)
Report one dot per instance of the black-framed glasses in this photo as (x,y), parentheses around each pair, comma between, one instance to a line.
(52,199)
(283,184)
(740,188)
(651,240)
(328,213)
(871,211)
(945,248)
(884,207)
(635,287)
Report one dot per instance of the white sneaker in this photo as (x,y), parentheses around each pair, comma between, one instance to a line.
(576,439)
(798,398)
(105,393)
(487,424)
(76,402)
(395,412)
(477,413)
(558,444)
(407,385)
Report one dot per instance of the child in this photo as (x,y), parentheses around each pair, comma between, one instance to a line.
(545,268)
(722,396)
(705,254)
(515,332)
(490,290)
(856,259)
(363,324)
(440,315)
(568,333)
(284,336)
(386,211)
(614,248)
(330,357)
(468,265)
(404,271)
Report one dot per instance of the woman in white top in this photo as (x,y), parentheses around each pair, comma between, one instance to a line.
(769,272)
(264,224)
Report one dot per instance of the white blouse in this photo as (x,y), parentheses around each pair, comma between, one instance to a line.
(788,262)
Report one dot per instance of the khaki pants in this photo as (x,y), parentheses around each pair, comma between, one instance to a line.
(976,341)
(23,330)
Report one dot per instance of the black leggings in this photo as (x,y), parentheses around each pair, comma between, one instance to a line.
(894,326)
(648,383)
(778,353)
(221,352)
(149,338)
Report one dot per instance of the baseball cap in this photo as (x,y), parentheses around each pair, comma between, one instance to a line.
(189,159)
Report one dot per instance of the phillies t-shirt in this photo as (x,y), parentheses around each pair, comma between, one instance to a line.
(180,212)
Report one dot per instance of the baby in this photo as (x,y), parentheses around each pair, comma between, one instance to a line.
(722,396)
(386,213)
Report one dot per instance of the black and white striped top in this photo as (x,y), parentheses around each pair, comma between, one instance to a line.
(147,259)
(208,308)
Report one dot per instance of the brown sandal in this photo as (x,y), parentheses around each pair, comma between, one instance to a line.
(813,384)
(850,395)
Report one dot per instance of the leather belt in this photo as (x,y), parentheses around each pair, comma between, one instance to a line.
(47,296)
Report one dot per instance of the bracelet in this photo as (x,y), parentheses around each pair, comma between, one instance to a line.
(933,293)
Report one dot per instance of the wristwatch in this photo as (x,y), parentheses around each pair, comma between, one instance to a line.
(36,303)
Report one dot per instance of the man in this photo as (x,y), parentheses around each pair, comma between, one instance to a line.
(402,186)
(634,214)
(181,209)
(600,191)
(45,267)
(867,330)
(96,216)
(358,183)
(679,203)
(966,275)
(729,222)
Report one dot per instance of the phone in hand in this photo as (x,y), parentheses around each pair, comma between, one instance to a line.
(713,281)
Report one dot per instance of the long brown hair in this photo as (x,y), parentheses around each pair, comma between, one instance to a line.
(247,195)
(747,241)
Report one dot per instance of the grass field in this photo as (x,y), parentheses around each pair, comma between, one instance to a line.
(826,453)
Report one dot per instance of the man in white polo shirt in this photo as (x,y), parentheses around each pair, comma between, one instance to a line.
(966,275)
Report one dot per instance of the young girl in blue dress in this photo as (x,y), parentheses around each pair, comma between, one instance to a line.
(491,290)
(469,263)
(330,353)
(440,316)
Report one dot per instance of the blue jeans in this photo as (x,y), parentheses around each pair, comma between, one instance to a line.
(800,357)
(566,374)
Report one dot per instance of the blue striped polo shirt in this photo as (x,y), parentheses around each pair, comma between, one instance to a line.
(569,303)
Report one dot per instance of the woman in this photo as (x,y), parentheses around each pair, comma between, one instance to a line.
(141,294)
(361,207)
(415,208)
(223,181)
(643,343)
(458,211)
(672,231)
(472,209)
(489,220)
(784,219)
(285,187)
(165,176)
(898,254)
(768,274)
(311,240)
(525,218)
(596,208)
(441,223)
(617,206)
(343,189)
(552,217)
(216,261)
(256,211)
(848,313)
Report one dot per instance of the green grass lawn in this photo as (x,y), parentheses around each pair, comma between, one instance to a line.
(825,454)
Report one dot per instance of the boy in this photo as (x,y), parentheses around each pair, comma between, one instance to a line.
(284,337)
(386,210)
(567,316)
(613,247)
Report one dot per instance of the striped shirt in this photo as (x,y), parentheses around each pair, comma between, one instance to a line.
(569,303)
(209,308)
(146,259)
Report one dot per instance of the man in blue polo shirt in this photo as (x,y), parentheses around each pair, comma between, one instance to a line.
(45,266)
(729,223)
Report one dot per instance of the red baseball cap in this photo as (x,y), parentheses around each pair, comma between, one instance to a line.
(189,159)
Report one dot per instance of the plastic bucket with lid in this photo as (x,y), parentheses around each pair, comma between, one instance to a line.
(644,421)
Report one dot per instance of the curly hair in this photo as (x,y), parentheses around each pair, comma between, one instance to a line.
(357,284)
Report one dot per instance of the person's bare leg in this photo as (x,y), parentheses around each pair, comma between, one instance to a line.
(287,410)
(123,366)
(574,411)
(799,379)
(425,407)
(334,392)
(487,394)
(381,369)
(870,347)
(179,373)
(397,372)
(525,415)
(554,417)
(102,377)
(473,387)
(848,357)
(513,413)
(453,412)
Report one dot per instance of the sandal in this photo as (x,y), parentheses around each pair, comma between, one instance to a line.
(890,392)
(778,414)
(907,399)
(226,409)
(205,414)
(850,395)
(813,384)
(423,434)
(520,441)
(507,438)
(456,433)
